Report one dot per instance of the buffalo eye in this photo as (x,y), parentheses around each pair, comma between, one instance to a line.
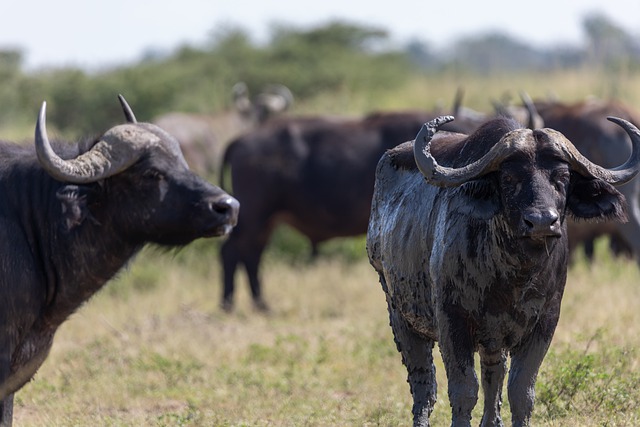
(153,174)
(507,178)
(511,183)
(560,178)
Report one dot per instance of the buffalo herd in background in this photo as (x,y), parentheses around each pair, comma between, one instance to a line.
(316,173)
(313,173)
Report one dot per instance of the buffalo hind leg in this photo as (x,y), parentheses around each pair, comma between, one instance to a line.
(417,357)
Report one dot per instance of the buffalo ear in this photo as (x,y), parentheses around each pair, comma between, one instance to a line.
(73,200)
(596,200)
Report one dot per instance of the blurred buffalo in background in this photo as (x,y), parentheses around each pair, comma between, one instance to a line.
(202,137)
(315,174)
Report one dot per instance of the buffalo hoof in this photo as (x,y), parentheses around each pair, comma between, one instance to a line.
(227,306)
(261,306)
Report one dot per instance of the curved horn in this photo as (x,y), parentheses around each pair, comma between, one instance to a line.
(442,176)
(128,112)
(616,176)
(112,154)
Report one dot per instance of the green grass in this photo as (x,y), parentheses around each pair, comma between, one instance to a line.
(163,354)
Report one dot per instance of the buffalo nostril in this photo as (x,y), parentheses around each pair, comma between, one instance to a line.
(537,220)
(227,206)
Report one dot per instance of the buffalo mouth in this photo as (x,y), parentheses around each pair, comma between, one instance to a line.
(541,237)
(223,215)
(539,242)
(218,230)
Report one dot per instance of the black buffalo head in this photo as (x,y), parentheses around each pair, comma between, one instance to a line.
(135,178)
(533,177)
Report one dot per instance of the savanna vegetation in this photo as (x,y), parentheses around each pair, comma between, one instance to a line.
(338,68)
(153,348)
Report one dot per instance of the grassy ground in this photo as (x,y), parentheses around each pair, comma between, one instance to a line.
(154,349)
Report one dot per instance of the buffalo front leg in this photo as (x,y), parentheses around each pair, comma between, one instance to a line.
(493,367)
(244,246)
(6,387)
(6,411)
(252,264)
(525,363)
(417,356)
(457,349)
(230,256)
(233,252)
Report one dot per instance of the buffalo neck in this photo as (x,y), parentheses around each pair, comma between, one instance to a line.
(73,264)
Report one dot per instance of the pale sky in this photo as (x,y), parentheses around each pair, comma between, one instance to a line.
(96,33)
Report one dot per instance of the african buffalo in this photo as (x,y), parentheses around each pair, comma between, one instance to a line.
(202,137)
(475,258)
(71,216)
(313,173)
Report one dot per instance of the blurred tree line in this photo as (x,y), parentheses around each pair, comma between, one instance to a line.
(332,58)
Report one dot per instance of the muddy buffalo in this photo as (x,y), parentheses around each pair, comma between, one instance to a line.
(469,237)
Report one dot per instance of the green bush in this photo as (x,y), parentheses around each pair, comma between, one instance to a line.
(599,378)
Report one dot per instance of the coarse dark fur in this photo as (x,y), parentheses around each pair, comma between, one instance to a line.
(479,267)
(313,173)
(60,242)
